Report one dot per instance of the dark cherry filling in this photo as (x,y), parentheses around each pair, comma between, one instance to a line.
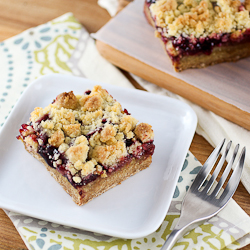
(126,112)
(129,142)
(44,118)
(23,132)
(24,128)
(104,120)
(192,46)
(87,92)
(148,148)
(48,152)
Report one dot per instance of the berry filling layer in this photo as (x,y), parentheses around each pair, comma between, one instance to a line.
(188,46)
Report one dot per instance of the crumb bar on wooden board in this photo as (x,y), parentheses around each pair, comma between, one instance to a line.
(88,143)
(199,33)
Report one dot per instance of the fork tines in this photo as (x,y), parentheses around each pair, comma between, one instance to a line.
(209,185)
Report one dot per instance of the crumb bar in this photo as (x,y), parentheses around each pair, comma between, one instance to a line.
(88,143)
(199,33)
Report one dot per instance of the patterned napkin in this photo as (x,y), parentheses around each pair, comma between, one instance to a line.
(64,46)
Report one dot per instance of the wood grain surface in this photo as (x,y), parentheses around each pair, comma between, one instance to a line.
(18,15)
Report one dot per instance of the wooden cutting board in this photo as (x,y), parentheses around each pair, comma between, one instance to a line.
(128,42)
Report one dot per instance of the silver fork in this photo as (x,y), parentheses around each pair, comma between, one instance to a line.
(205,199)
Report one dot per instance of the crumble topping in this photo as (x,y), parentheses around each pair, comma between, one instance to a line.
(31,143)
(57,138)
(91,103)
(66,100)
(29,131)
(107,133)
(72,130)
(88,133)
(77,153)
(127,124)
(200,18)
(36,114)
(144,132)
(63,147)
(108,155)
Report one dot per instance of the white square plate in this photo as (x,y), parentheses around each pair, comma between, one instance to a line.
(133,209)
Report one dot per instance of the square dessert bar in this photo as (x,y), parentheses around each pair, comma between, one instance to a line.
(199,33)
(88,143)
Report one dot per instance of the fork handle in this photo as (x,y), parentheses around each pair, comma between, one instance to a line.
(172,238)
(178,231)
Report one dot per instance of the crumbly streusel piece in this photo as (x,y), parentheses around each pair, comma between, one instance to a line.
(247,5)
(88,142)
(199,33)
